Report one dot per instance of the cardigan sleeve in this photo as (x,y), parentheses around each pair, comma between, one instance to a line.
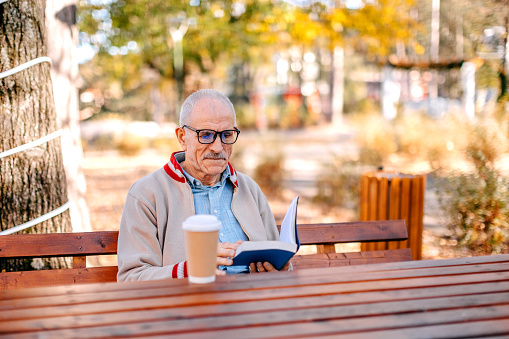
(139,250)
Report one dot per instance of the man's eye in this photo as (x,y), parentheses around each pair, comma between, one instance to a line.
(227,134)
(206,135)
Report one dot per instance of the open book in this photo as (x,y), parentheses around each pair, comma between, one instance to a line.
(276,252)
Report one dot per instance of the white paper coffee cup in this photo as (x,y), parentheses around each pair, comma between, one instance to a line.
(201,234)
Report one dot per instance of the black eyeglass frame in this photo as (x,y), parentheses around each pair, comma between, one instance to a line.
(235,129)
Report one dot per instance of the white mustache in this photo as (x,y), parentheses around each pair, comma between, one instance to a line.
(215,156)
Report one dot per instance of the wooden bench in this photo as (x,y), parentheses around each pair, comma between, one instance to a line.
(76,245)
(325,236)
(81,245)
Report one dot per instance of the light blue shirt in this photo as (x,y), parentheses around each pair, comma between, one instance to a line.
(217,201)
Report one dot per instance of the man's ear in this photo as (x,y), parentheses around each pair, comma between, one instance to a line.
(179,132)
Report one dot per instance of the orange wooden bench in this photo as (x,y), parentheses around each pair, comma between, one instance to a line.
(81,245)
(76,245)
(325,236)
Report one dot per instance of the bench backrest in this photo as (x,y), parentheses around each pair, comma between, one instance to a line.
(76,245)
(81,245)
(326,235)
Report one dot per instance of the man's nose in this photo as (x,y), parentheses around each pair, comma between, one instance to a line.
(217,145)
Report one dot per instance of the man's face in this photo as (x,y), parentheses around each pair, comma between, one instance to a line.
(206,162)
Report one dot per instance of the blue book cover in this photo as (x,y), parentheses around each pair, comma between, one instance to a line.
(276,252)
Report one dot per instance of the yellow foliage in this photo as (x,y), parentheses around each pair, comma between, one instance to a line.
(418,48)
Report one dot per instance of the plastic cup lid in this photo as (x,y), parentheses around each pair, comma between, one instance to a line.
(202,223)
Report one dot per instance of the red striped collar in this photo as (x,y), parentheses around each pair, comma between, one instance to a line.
(173,169)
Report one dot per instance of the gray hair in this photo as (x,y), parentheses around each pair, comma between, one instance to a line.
(188,104)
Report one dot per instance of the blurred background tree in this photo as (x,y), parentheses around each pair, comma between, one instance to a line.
(295,63)
(133,62)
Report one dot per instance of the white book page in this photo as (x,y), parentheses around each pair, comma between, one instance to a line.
(287,233)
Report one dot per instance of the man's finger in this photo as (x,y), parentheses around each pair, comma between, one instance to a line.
(226,249)
(225,253)
(252,268)
(230,245)
(224,261)
(259,267)
(268,267)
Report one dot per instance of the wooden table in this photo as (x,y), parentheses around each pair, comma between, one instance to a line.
(418,299)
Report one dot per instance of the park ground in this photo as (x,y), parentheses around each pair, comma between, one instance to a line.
(109,176)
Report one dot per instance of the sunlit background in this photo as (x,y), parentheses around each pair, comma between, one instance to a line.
(325,91)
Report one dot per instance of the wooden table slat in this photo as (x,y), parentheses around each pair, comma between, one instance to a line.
(487,329)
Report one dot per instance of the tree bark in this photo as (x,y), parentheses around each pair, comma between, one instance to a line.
(32,182)
(62,34)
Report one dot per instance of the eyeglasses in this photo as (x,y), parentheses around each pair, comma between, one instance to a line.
(208,136)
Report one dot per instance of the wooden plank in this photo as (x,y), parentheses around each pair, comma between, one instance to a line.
(486,329)
(26,279)
(383,192)
(79,262)
(405,207)
(268,315)
(58,244)
(403,328)
(190,295)
(420,209)
(348,326)
(394,205)
(350,258)
(310,261)
(345,232)
(353,272)
(373,195)
(372,257)
(364,198)
(344,283)
(325,248)
(415,222)
(295,323)
(389,301)
(493,329)
(382,208)
(156,307)
(373,209)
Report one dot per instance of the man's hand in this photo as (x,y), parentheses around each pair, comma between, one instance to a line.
(265,267)
(225,251)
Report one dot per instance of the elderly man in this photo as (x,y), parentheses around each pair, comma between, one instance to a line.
(198,180)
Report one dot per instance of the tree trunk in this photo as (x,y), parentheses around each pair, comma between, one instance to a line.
(32,182)
(62,36)
(338,85)
(503,68)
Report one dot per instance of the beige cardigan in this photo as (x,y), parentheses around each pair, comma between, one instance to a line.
(151,240)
